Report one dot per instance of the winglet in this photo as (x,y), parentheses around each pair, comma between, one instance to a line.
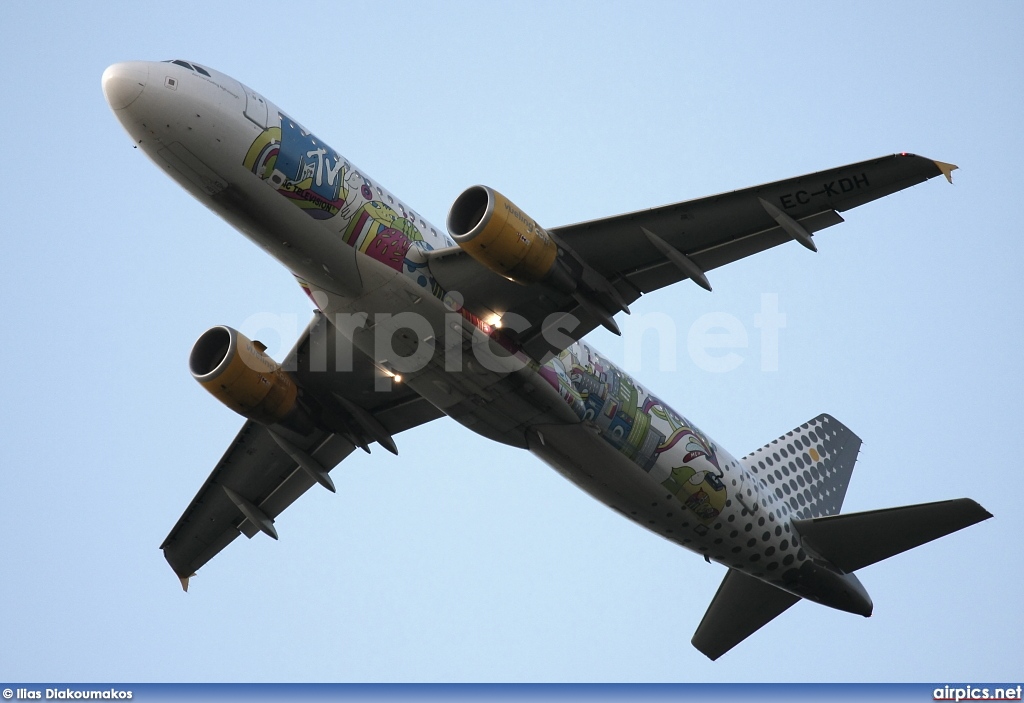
(184,582)
(946,169)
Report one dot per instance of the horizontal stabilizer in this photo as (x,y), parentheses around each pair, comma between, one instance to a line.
(742,606)
(857,540)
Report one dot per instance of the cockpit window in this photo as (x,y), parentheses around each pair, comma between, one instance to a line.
(190,66)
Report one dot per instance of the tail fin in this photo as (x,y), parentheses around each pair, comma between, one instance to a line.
(821,453)
(857,540)
(741,607)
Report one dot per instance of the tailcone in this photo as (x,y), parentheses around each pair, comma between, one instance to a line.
(822,583)
(850,596)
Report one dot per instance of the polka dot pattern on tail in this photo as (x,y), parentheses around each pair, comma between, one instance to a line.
(814,464)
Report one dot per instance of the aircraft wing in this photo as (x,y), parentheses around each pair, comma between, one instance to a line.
(643,251)
(258,476)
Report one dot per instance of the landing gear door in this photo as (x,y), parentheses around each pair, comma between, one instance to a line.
(255,108)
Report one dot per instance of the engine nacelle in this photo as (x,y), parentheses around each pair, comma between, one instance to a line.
(491,229)
(239,374)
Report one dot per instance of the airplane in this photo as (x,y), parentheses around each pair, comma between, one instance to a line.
(483,322)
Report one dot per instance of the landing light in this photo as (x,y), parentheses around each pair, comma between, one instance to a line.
(396,377)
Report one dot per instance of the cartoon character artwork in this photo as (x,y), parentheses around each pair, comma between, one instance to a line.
(702,491)
(302,169)
(696,480)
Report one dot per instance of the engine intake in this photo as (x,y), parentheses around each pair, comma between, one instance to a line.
(491,229)
(239,374)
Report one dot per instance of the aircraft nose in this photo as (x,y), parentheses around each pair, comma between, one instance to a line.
(124,82)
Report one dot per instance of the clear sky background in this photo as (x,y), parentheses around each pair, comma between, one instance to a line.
(461,559)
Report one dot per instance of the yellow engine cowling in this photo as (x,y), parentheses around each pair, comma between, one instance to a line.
(239,374)
(491,229)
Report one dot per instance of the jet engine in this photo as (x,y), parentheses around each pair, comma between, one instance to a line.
(491,229)
(239,374)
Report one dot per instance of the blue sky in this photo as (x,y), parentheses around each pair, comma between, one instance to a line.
(461,560)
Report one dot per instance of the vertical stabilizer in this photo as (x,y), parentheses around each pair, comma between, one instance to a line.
(808,468)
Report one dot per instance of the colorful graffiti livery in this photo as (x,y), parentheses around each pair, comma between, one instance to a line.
(483,324)
(320,182)
(642,428)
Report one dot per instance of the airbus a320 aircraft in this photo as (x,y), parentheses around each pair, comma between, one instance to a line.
(483,323)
